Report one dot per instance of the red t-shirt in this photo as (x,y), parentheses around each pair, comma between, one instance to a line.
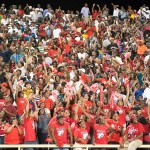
(83,134)
(69,120)
(122,113)
(10,108)
(115,136)
(48,103)
(52,121)
(95,15)
(74,126)
(29,126)
(41,30)
(133,130)
(52,52)
(106,109)
(61,132)
(13,136)
(21,104)
(20,12)
(101,134)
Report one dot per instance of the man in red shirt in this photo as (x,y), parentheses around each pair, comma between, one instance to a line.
(61,132)
(134,134)
(100,132)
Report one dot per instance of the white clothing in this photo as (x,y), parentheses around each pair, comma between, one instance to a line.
(146,93)
(116,12)
(56,33)
(85,11)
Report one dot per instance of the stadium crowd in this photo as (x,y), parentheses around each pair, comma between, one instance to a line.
(75,77)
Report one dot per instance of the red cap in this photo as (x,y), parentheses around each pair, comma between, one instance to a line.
(4,84)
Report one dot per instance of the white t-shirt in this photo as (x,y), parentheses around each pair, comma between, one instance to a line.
(85,11)
(4,21)
(116,12)
(56,33)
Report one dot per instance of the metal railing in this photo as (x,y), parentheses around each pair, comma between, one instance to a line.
(21,146)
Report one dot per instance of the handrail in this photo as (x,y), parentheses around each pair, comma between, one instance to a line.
(19,146)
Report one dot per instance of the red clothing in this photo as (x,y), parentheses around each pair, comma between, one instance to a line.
(101,134)
(21,104)
(122,113)
(74,126)
(41,30)
(83,134)
(52,53)
(11,109)
(133,130)
(61,132)
(95,15)
(69,120)
(52,121)
(20,13)
(13,136)
(115,136)
(106,109)
(30,133)
(2,103)
(48,103)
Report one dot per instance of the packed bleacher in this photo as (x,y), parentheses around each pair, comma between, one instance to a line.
(75,77)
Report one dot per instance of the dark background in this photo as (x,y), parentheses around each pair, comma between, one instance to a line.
(76,4)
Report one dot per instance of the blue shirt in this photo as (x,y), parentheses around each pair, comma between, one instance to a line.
(138,93)
(16,57)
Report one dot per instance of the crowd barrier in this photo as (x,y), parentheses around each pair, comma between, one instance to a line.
(21,146)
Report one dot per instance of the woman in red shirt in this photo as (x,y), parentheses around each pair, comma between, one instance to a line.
(81,135)
(13,132)
(100,131)
(21,102)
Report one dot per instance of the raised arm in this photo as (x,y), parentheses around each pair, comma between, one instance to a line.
(127,96)
(27,109)
(36,109)
(93,8)
(99,9)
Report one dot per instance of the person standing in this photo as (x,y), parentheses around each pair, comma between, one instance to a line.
(61,132)
(85,13)
(13,132)
(29,124)
(101,132)
(116,10)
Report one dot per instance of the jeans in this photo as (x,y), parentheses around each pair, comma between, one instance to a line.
(1,139)
(41,137)
(34,142)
